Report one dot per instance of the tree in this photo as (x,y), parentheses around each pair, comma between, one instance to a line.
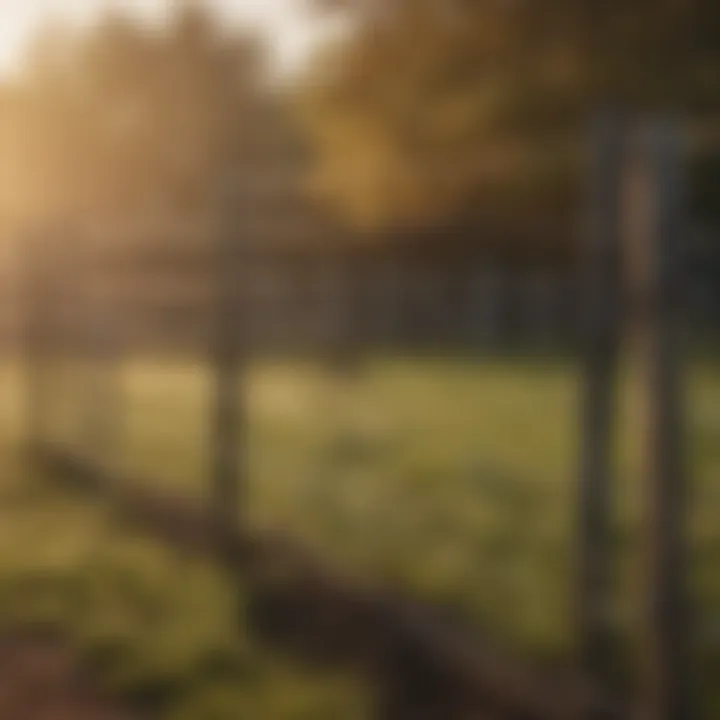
(140,130)
(131,121)
(432,107)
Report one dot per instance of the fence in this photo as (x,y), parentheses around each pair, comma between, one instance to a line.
(383,299)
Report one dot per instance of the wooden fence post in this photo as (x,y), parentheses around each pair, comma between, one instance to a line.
(600,333)
(34,310)
(100,348)
(655,274)
(227,412)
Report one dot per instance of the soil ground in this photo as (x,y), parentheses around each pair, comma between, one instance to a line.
(40,679)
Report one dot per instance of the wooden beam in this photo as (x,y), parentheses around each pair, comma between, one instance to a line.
(227,423)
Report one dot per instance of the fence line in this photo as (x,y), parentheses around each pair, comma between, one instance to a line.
(420,319)
(600,367)
(656,278)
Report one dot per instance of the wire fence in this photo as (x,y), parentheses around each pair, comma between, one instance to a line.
(288,383)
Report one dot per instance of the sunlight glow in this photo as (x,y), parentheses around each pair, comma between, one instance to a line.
(291,30)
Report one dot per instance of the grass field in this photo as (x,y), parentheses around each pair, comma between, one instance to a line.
(456,480)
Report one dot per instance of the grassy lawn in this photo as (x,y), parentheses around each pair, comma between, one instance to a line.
(454,479)
(163,632)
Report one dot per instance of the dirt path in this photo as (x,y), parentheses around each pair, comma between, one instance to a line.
(40,680)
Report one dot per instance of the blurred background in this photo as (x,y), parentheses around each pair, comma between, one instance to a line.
(360,273)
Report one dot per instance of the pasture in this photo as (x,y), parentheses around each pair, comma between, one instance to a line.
(453,480)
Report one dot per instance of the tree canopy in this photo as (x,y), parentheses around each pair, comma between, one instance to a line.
(124,119)
(427,109)
(433,105)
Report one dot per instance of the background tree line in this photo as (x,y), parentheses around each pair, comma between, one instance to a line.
(425,110)
(438,107)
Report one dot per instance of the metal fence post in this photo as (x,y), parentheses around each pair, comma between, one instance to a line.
(227,413)
(600,332)
(100,349)
(655,274)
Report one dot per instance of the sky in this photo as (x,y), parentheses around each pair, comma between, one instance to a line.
(291,29)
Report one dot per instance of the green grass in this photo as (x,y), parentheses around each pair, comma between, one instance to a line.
(453,479)
(164,633)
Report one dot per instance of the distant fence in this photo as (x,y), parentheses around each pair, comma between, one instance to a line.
(309,300)
(347,302)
